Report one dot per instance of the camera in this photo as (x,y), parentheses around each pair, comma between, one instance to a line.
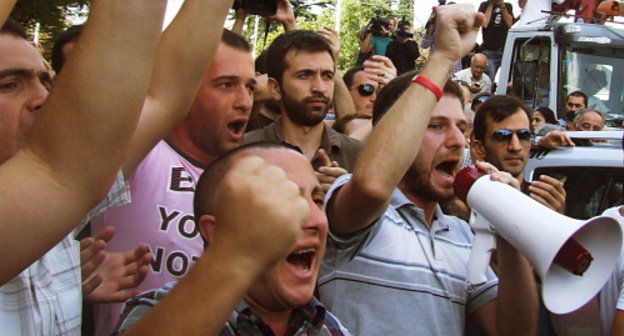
(257,7)
(378,23)
(404,34)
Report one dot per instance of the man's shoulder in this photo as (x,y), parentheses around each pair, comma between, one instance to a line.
(267,133)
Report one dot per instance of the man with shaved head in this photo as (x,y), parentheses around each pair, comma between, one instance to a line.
(475,76)
(279,301)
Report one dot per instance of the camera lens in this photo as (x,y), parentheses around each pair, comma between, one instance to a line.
(366,90)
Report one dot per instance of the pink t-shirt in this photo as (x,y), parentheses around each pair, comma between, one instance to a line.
(161,216)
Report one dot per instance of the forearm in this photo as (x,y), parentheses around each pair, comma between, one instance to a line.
(365,46)
(77,141)
(507,16)
(343,103)
(5,9)
(517,304)
(203,300)
(488,14)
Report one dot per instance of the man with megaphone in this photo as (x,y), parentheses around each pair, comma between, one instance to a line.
(395,264)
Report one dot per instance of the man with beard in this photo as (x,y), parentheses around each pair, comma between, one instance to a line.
(276,185)
(502,137)
(162,184)
(301,70)
(396,264)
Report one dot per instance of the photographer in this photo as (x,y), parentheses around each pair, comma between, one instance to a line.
(498,19)
(378,35)
(403,51)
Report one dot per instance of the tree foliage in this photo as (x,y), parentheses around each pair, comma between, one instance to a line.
(50,14)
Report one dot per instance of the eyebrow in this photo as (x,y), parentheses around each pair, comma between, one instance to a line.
(232,78)
(17,72)
(44,76)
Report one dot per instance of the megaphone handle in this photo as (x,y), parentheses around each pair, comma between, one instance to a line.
(482,246)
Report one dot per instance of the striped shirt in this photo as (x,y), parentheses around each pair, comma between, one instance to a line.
(400,277)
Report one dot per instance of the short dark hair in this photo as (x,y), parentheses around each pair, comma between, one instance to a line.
(578,94)
(497,108)
(14,28)
(235,41)
(261,63)
(205,198)
(395,88)
(293,40)
(348,76)
(548,114)
(72,34)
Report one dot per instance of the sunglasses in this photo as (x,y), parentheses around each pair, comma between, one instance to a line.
(366,90)
(504,135)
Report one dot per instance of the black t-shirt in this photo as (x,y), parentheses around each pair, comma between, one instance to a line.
(495,34)
(403,55)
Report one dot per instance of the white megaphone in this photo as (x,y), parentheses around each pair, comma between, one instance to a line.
(573,258)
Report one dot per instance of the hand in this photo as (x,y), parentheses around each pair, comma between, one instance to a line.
(112,276)
(260,211)
(284,15)
(550,192)
(380,69)
(329,171)
(456,30)
(496,175)
(555,139)
(331,35)
(475,89)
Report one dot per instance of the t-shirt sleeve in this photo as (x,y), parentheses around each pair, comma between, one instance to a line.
(135,308)
(483,6)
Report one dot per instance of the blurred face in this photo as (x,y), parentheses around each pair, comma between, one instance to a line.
(24,85)
(432,174)
(477,66)
(511,154)
(575,103)
(307,87)
(363,101)
(216,121)
(590,121)
(290,282)
(538,120)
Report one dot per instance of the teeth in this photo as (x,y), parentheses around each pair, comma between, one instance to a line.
(306,250)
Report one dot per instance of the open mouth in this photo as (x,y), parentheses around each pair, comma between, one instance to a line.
(237,127)
(448,167)
(302,258)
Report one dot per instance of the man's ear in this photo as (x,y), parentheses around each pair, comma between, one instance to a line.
(477,150)
(207,225)
(274,89)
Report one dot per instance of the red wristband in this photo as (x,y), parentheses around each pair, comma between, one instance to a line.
(427,83)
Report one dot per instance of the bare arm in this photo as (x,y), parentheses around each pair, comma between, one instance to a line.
(507,15)
(285,15)
(395,140)
(617,328)
(78,140)
(203,300)
(184,55)
(488,13)
(5,9)
(343,103)
(514,311)
(239,22)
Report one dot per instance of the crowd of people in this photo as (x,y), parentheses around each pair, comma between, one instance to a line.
(213,195)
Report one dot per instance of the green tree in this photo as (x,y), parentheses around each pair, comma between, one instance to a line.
(51,16)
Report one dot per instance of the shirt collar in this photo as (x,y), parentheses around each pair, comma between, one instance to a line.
(311,317)
(401,203)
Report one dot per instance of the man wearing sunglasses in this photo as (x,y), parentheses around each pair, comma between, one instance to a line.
(363,90)
(502,137)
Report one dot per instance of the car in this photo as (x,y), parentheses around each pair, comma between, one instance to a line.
(593,172)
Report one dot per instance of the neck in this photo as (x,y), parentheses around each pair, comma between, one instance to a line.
(428,206)
(308,138)
(265,111)
(277,321)
(180,137)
